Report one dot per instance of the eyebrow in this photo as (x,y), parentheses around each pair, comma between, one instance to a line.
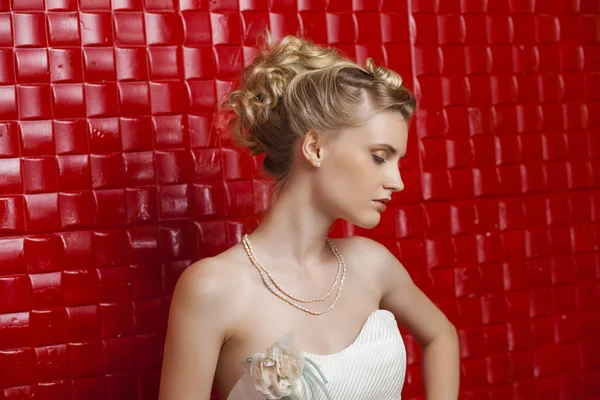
(390,148)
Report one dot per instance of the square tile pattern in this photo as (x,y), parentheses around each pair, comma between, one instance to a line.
(116,173)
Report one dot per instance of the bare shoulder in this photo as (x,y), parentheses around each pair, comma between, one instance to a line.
(207,303)
(381,262)
(219,286)
(365,248)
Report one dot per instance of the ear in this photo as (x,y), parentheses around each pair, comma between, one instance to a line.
(312,147)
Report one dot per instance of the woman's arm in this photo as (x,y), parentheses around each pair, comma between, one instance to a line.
(196,330)
(431,329)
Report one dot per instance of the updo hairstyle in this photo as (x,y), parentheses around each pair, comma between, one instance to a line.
(294,86)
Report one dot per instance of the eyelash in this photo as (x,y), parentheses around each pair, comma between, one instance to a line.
(378,160)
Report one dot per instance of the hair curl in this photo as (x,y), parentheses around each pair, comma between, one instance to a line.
(295,85)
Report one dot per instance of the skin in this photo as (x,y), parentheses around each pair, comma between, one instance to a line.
(221,311)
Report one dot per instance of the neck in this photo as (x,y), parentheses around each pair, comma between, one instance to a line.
(294,228)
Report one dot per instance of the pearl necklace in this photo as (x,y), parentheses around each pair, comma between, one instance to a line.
(250,252)
(278,291)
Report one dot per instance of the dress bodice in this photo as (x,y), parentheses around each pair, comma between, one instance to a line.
(373,367)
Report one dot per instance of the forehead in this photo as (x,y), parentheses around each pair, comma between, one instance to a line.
(385,127)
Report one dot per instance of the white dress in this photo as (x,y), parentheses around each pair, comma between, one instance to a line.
(373,367)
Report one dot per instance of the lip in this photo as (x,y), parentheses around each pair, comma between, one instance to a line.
(380,204)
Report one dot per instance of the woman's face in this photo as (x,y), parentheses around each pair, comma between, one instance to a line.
(359,169)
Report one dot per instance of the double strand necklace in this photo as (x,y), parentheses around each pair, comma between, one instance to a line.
(280,292)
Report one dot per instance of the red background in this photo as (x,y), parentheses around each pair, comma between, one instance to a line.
(116,174)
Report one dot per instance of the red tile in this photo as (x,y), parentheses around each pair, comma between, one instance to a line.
(34,101)
(139,168)
(99,64)
(84,326)
(51,362)
(114,287)
(174,201)
(130,64)
(107,171)
(208,200)
(23,5)
(46,290)
(163,62)
(172,166)
(156,5)
(261,5)
(150,316)
(63,29)
(282,24)
(367,27)
(148,350)
(74,172)
(29,30)
(175,241)
(40,174)
(48,326)
(70,137)
(10,171)
(499,369)
(16,331)
(167,97)
(83,357)
(141,205)
(68,101)
(133,98)
(110,249)
(31,65)
(229,61)
(451,29)
(169,132)
(42,212)
(61,5)
(65,65)
(16,294)
(119,356)
(43,253)
(96,29)
(127,5)
(143,244)
(136,133)
(109,207)
(14,209)
(312,26)
(201,97)
(17,365)
(196,28)
(101,99)
(499,29)
(163,28)
(90,388)
(129,28)
(198,62)
(80,287)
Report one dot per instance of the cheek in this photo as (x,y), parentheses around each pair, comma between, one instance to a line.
(351,177)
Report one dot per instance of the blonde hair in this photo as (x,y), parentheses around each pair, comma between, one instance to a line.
(295,85)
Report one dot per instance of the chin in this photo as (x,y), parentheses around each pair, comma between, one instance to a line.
(367,222)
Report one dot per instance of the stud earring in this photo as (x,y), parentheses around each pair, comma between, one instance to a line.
(318,164)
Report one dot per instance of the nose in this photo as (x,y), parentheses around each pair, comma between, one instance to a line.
(394,183)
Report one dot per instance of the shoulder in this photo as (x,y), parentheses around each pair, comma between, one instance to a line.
(377,259)
(214,285)
(363,247)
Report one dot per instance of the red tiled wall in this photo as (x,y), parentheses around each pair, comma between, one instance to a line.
(115,174)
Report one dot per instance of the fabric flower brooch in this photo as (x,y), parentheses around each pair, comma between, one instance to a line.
(283,372)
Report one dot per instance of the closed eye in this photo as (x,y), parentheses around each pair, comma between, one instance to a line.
(378,160)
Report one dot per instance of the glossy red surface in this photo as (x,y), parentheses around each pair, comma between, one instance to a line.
(115,175)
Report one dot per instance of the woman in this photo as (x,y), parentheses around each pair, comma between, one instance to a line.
(289,313)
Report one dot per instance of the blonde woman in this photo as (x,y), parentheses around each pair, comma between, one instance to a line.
(289,313)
